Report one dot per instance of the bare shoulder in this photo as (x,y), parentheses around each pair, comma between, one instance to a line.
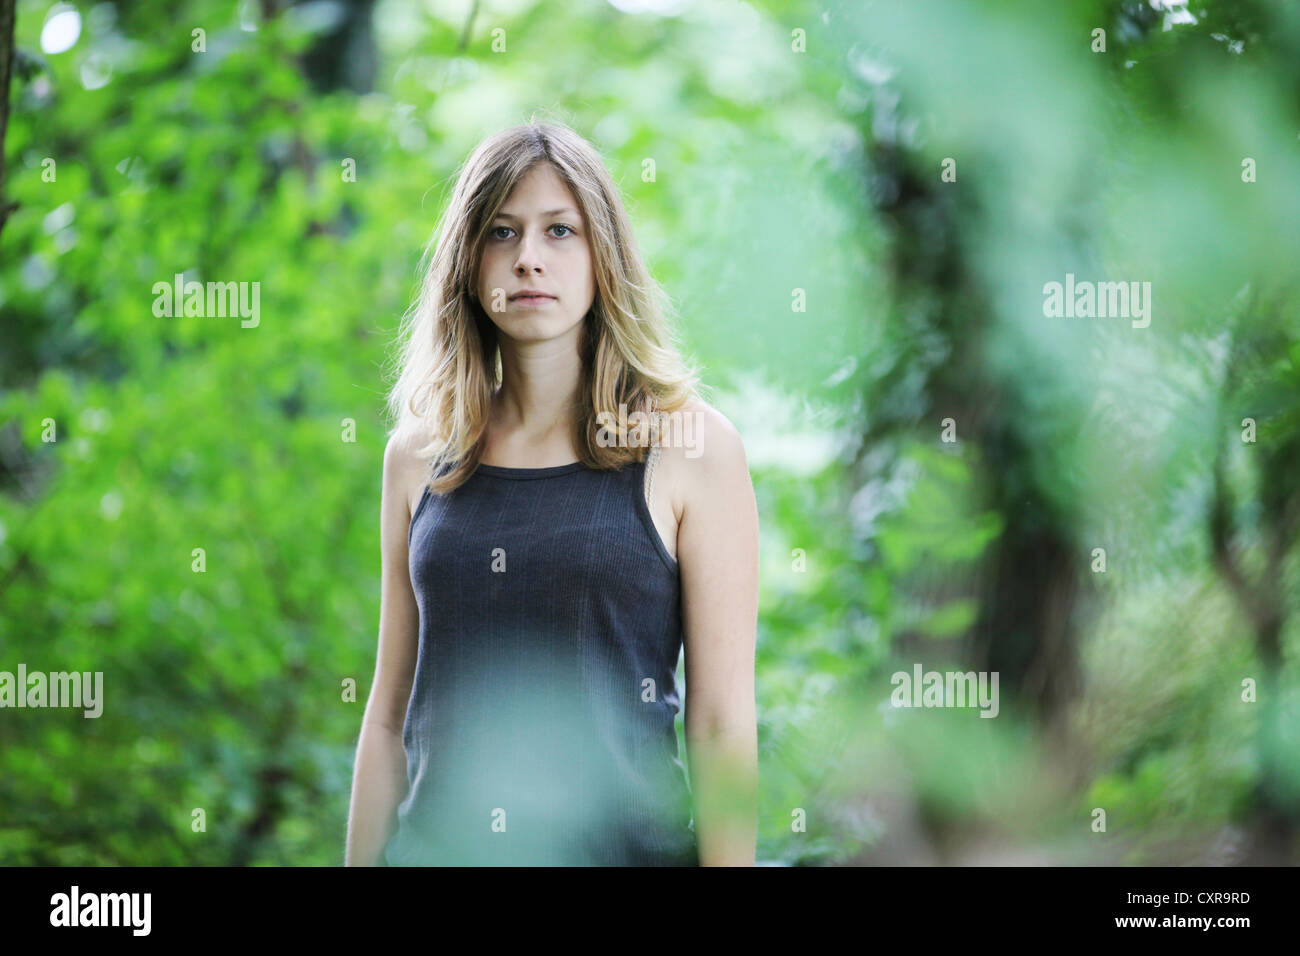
(703,457)
(404,471)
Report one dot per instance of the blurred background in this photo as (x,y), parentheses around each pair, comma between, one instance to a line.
(856,207)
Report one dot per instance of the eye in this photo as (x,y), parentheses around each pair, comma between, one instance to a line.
(492,233)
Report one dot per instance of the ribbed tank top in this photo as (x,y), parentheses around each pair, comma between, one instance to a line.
(540,727)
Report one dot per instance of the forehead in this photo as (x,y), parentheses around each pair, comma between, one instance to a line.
(541,192)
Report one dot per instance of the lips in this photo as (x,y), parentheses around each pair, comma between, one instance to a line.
(531,296)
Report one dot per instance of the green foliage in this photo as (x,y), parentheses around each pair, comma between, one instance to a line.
(775,171)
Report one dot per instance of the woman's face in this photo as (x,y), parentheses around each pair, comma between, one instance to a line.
(538,242)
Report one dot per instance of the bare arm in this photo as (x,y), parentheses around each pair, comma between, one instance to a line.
(379,775)
(717,545)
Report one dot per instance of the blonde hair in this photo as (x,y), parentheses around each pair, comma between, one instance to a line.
(448,356)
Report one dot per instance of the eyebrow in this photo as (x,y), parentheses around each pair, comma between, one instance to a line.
(549,212)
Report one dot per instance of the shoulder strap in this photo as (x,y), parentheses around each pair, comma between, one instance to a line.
(652,458)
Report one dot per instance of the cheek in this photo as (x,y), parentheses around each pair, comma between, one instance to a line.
(579,264)
(489,272)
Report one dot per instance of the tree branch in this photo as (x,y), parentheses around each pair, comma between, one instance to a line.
(7,15)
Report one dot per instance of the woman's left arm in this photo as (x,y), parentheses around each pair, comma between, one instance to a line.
(717,553)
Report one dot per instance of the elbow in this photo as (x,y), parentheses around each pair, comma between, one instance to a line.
(736,725)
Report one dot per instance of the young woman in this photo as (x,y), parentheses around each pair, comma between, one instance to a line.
(561,514)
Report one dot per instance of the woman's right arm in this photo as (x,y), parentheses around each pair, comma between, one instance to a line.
(379,775)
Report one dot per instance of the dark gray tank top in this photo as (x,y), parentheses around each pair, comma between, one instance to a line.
(540,727)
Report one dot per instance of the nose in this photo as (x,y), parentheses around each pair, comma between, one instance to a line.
(529,259)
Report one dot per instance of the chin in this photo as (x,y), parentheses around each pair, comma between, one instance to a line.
(538,328)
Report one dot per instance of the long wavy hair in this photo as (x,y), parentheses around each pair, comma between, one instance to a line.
(448,361)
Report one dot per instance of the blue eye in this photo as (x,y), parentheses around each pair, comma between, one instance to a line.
(559,225)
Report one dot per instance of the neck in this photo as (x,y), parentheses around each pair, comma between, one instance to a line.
(540,388)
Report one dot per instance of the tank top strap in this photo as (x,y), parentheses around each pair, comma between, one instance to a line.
(648,467)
